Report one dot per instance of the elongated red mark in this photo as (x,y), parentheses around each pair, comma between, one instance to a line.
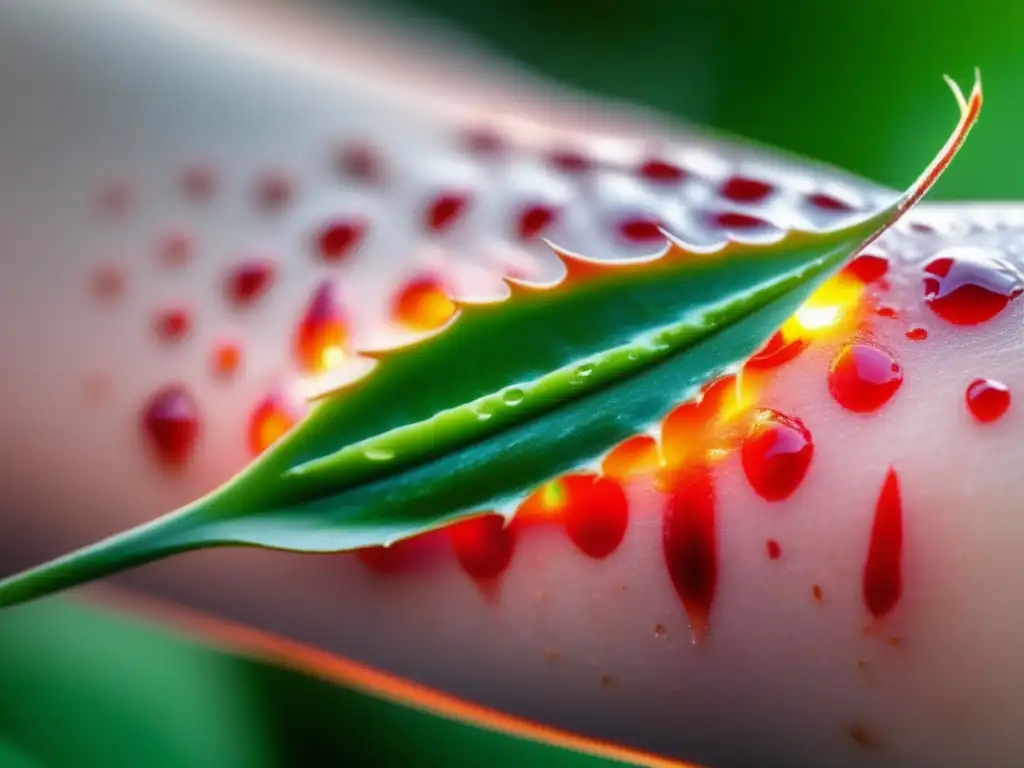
(321,335)
(883,576)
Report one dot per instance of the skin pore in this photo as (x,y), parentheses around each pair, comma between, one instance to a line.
(175,197)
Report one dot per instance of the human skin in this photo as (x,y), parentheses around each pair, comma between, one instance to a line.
(793,667)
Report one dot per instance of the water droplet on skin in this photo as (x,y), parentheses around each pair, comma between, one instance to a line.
(379,454)
(585,370)
(271,419)
(987,400)
(170,421)
(967,286)
(513,396)
(596,514)
(776,454)
(483,546)
(321,334)
(864,377)
(883,578)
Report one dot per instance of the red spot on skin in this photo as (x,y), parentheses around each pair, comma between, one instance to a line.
(248,281)
(198,183)
(868,268)
(970,286)
(115,197)
(170,422)
(740,189)
(107,282)
(776,352)
(890,313)
(321,334)
(987,400)
(883,578)
(863,377)
(359,162)
(662,171)
(483,546)
(226,359)
(176,249)
(596,514)
(271,419)
(422,304)
(445,210)
(274,191)
(534,219)
(917,333)
(635,456)
(689,541)
(776,454)
(773,549)
(736,221)
(172,325)
(339,239)
(569,161)
(829,203)
(641,229)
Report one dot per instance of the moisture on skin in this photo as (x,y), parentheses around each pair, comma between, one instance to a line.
(147,131)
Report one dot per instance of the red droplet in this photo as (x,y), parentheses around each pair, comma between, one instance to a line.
(735,220)
(248,281)
(107,282)
(596,514)
(868,268)
(271,419)
(569,161)
(776,454)
(358,161)
(773,549)
(321,335)
(740,189)
(641,229)
(170,421)
(662,170)
(886,311)
(273,191)
(777,351)
(176,249)
(829,203)
(445,210)
(198,183)
(689,540)
(917,333)
(172,324)
(226,359)
(970,286)
(483,546)
(401,557)
(863,377)
(987,400)
(422,304)
(338,239)
(883,582)
(534,219)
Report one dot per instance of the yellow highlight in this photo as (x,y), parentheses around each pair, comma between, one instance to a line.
(831,307)
(331,357)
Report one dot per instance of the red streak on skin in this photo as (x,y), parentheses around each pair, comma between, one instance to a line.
(596,514)
(445,210)
(776,352)
(829,203)
(483,546)
(864,377)
(776,455)
(883,581)
(987,400)
(689,540)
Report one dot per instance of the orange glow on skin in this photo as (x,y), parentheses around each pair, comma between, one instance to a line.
(423,305)
(833,309)
(272,420)
(639,455)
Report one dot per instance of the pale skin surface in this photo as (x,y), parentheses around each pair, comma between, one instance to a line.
(570,641)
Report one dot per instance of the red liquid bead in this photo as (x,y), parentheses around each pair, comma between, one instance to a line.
(987,400)
(339,239)
(445,210)
(660,170)
(883,578)
(170,421)
(596,514)
(483,546)
(248,281)
(321,335)
(917,333)
(534,219)
(774,549)
(864,377)
(967,286)
(868,268)
(689,541)
(776,454)
(743,190)
(641,230)
(172,325)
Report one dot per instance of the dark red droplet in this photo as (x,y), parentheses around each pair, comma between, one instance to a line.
(662,170)
(483,546)
(321,334)
(445,210)
(774,549)
(641,229)
(273,191)
(689,540)
(170,422)
(198,183)
(172,324)
(777,351)
(359,162)
(987,400)
(970,286)
(176,249)
(596,514)
(740,189)
(868,268)
(534,219)
(917,333)
(107,282)
(776,454)
(883,577)
(338,239)
(863,377)
(736,221)
(829,203)
(249,280)
(569,161)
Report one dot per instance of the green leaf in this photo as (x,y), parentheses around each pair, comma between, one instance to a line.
(508,396)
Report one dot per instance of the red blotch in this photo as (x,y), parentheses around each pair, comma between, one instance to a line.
(596,514)
(445,210)
(863,377)
(226,359)
(867,268)
(107,282)
(534,219)
(776,454)
(198,183)
(987,400)
(917,333)
(641,229)
(249,281)
(689,540)
(115,197)
(321,334)
(774,549)
(736,221)
(740,189)
(422,304)
(172,324)
(481,140)
(402,556)
(776,352)
(271,419)
(635,456)
(883,580)
(358,161)
(176,249)
(662,171)
(274,191)
(970,287)
(483,546)
(339,239)
(829,203)
(170,422)
(569,161)
(888,312)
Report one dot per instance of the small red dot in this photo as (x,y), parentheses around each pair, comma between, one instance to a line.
(359,162)
(987,400)
(107,282)
(483,140)
(248,281)
(661,170)
(740,189)
(887,311)
(339,239)
(115,197)
(172,325)
(227,358)
(273,191)
(445,210)
(176,248)
(534,219)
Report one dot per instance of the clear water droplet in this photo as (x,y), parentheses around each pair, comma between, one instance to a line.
(379,454)
(585,370)
(513,396)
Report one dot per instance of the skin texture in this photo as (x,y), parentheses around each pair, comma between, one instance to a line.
(141,93)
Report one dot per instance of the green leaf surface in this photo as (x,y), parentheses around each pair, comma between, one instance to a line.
(509,395)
